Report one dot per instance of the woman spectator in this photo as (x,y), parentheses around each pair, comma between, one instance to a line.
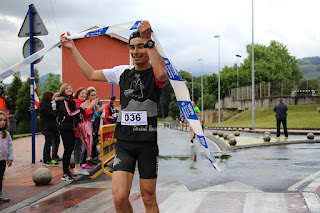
(68,116)
(95,123)
(83,132)
(48,126)
(56,136)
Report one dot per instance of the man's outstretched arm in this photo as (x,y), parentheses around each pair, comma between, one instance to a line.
(86,69)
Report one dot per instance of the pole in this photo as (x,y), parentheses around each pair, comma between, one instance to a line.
(32,86)
(201,94)
(238,56)
(253,99)
(111,90)
(192,88)
(219,106)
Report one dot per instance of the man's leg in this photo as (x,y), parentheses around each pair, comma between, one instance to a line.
(191,134)
(278,127)
(121,185)
(284,124)
(148,192)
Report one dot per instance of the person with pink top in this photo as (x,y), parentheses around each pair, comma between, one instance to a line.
(83,133)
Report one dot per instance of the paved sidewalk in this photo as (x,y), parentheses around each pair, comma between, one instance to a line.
(96,196)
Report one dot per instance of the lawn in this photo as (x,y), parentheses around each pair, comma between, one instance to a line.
(299,116)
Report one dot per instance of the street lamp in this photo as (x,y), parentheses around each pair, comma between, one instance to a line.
(201,91)
(253,99)
(192,85)
(218,36)
(238,56)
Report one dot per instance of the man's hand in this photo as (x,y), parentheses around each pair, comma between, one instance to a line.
(145,30)
(9,163)
(67,43)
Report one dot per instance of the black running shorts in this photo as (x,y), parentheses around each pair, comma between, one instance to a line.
(146,153)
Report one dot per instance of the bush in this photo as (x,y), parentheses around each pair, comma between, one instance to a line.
(25,126)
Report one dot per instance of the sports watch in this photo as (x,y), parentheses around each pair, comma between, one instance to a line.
(149,44)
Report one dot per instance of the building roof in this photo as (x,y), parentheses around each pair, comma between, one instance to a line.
(111,35)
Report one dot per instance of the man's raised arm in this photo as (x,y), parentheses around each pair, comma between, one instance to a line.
(155,58)
(86,69)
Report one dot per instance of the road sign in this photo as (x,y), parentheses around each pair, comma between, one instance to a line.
(37,45)
(38,26)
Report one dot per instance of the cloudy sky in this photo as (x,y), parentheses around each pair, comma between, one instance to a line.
(185,28)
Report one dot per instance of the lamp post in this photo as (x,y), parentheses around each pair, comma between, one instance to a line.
(201,91)
(218,36)
(238,56)
(253,99)
(192,85)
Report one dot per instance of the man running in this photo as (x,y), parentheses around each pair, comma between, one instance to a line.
(197,110)
(136,128)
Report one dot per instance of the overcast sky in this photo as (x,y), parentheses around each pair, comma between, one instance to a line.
(185,28)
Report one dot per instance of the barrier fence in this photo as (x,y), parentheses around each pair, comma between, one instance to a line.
(108,149)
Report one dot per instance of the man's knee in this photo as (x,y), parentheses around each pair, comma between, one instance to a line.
(120,198)
(149,199)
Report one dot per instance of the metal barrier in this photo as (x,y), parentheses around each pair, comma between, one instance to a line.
(108,149)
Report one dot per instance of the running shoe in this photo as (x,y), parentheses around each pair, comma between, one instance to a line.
(50,163)
(87,166)
(67,177)
(80,172)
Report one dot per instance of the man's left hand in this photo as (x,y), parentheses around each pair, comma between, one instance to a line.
(145,30)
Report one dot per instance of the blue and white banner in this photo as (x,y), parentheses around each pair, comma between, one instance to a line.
(180,89)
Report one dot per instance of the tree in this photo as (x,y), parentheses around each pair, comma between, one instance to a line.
(14,88)
(53,83)
(271,63)
(208,101)
(22,112)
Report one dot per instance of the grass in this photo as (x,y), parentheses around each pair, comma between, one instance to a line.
(299,116)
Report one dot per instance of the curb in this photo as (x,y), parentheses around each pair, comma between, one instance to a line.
(224,147)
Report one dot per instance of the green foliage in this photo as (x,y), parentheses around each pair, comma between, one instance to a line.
(271,63)
(53,83)
(173,107)
(208,101)
(25,126)
(23,100)
(13,90)
(310,60)
(165,99)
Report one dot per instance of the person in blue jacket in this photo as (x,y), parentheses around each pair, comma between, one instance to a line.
(281,115)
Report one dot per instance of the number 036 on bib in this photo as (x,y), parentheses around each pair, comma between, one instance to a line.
(134,118)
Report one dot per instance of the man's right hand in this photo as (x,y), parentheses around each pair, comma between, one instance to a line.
(67,43)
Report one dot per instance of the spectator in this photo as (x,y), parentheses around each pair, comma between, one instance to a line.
(83,134)
(5,151)
(281,117)
(95,122)
(56,136)
(68,116)
(48,126)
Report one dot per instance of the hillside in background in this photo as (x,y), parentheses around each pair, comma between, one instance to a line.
(310,67)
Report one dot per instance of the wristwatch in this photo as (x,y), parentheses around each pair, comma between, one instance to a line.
(149,44)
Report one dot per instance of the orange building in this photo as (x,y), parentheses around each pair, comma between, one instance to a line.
(104,51)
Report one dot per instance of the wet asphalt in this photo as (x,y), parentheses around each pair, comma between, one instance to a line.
(269,169)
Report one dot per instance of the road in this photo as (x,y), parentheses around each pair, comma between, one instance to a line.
(269,169)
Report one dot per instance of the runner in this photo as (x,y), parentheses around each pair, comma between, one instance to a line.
(197,110)
(136,128)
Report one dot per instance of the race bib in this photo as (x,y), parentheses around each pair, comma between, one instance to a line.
(134,118)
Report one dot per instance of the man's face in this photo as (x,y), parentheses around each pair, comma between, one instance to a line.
(138,52)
